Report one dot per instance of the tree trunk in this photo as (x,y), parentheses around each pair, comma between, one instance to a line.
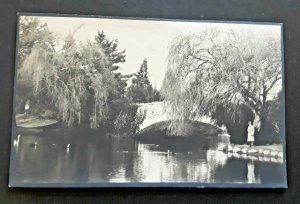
(257,121)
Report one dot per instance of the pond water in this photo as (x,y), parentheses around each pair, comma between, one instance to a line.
(94,157)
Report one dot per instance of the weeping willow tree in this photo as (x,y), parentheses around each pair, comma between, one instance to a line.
(224,67)
(31,32)
(76,80)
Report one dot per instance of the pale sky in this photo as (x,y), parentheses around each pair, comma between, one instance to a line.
(141,38)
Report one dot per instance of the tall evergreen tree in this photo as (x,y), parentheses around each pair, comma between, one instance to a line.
(141,90)
(115,58)
(110,48)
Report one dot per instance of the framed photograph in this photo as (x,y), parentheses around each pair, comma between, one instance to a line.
(129,102)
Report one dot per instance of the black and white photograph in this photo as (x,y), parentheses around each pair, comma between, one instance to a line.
(133,102)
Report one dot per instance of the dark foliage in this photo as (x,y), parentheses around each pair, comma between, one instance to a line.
(141,90)
(128,120)
(237,126)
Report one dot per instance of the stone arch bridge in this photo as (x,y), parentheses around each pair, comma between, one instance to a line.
(156,112)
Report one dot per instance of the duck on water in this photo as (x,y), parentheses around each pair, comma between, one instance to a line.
(34,145)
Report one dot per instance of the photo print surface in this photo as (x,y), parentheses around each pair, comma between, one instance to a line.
(101,101)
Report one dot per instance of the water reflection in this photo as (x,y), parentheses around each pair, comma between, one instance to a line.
(122,159)
(251,173)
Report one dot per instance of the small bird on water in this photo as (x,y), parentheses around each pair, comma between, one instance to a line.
(170,152)
(34,145)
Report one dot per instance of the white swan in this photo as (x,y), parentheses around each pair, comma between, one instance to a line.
(16,142)
(68,148)
(35,144)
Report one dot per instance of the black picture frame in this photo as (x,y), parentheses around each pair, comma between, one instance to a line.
(285,12)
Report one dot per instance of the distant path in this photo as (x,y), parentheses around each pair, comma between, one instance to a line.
(30,121)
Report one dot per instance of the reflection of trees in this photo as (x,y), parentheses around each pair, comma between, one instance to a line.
(111,159)
(151,166)
(114,159)
(45,163)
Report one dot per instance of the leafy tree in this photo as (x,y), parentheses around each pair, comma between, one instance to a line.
(31,33)
(115,58)
(110,48)
(77,81)
(155,95)
(272,130)
(129,119)
(141,90)
(79,84)
(222,67)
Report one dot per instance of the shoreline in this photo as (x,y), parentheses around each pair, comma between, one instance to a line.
(272,151)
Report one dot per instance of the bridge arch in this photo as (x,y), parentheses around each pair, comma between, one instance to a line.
(155,112)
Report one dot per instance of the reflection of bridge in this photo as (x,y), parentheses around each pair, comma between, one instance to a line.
(157,112)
